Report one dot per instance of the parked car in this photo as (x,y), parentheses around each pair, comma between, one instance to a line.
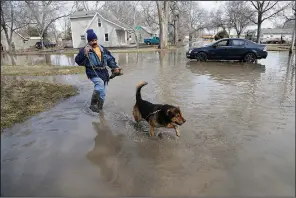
(152,41)
(45,44)
(229,49)
(273,41)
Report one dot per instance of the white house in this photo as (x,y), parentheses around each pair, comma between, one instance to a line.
(274,33)
(110,31)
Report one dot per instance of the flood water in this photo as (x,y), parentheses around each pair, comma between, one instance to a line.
(239,138)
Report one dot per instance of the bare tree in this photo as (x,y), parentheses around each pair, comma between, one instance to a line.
(45,13)
(238,15)
(88,5)
(174,19)
(217,19)
(150,14)
(193,18)
(291,18)
(14,17)
(266,10)
(163,15)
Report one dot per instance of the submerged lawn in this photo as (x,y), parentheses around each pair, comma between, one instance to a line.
(40,70)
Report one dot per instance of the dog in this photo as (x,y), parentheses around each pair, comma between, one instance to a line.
(157,115)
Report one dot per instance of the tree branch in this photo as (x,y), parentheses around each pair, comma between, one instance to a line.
(257,8)
(275,13)
(263,11)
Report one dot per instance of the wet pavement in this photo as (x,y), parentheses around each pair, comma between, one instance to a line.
(239,138)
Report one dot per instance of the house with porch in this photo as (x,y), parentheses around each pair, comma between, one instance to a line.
(110,31)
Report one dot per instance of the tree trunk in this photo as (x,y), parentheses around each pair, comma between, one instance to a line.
(259,27)
(292,43)
(9,43)
(238,34)
(135,33)
(12,59)
(176,32)
(190,39)
(136,39)
(163,15)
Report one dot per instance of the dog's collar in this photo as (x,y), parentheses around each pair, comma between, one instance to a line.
(153,113)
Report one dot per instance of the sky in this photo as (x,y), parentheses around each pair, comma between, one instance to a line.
(207,5)
(212,5)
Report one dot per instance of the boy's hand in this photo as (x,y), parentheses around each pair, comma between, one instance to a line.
(86,49)
(116,72)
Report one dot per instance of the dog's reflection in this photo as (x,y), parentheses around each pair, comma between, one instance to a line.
(107,147)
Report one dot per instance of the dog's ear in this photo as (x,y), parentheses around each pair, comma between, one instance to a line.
(169,111)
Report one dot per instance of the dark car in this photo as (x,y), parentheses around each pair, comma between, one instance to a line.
(45,44)
(229,49)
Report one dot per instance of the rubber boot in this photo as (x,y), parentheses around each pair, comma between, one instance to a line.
(94,102)
(100,103)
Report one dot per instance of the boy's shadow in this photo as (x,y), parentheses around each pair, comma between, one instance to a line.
(107,147)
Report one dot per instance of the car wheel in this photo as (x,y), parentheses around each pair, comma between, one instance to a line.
(148,43)
(201,56)
(250,58)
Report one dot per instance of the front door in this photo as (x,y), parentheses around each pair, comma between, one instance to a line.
(220,50)
(121,40)
(237,48)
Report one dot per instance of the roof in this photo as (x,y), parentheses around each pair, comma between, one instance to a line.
(111,17)
(108,16)
(81,14)
(149,30)
(275,30)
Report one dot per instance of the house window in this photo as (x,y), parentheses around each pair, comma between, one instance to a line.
(99,23)
(106,37)
(82,37)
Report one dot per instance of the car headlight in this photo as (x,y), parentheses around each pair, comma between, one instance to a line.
(189,51)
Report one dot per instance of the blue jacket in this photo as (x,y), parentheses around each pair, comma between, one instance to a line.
(95,71)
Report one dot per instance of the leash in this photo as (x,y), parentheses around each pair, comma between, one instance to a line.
(113,75)
(153,113)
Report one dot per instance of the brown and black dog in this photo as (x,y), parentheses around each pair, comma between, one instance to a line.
(157,115)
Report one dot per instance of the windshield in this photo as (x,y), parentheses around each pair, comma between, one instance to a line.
(209,44)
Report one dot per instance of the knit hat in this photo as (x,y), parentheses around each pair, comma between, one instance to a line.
(91,35)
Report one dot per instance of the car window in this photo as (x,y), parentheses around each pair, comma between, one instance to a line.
(238,43)
(222,43)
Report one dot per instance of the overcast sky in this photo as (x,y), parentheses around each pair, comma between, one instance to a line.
(212,5)
(208,5)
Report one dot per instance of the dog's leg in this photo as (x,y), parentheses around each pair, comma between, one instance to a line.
(136,114)
(151,128)
(177,131)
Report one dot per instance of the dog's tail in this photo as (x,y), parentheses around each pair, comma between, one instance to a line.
(138,89)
